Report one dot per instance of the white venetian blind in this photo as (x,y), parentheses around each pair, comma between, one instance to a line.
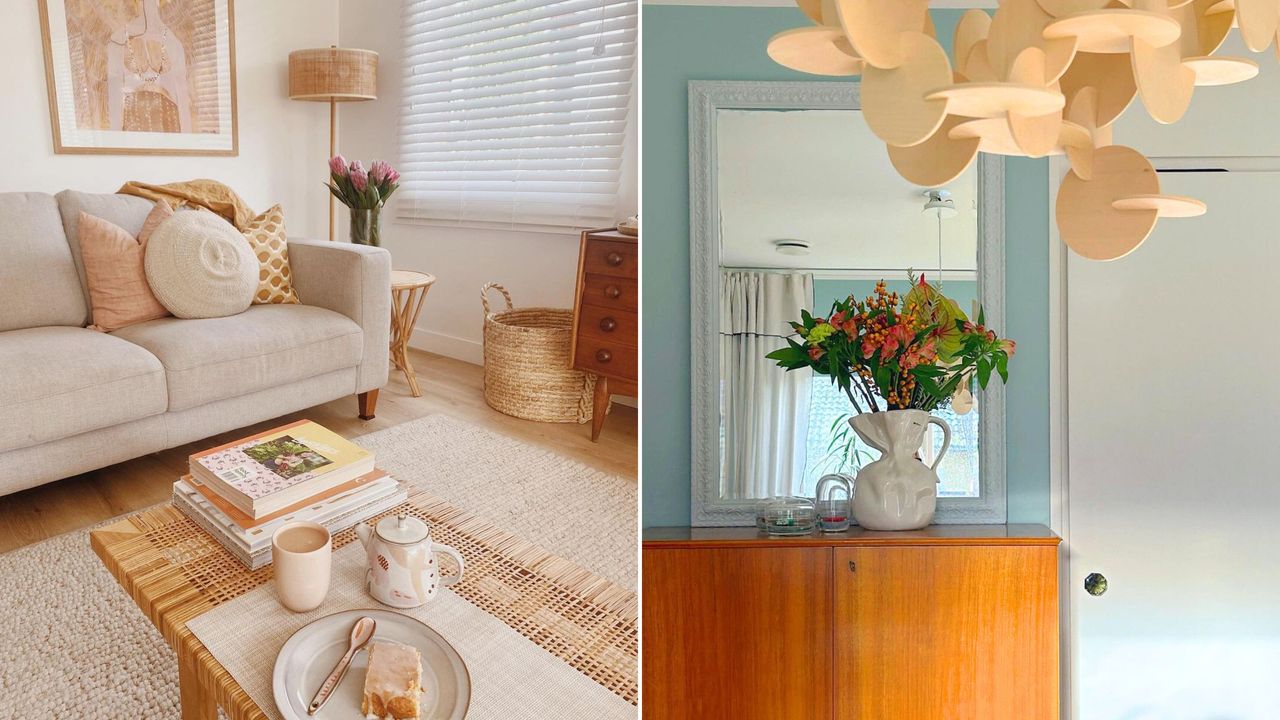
(514,111)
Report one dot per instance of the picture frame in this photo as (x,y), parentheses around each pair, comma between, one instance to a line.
(141,77)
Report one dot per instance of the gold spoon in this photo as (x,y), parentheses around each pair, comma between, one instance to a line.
(361,633)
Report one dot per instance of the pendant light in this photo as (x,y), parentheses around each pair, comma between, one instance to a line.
(1037,78)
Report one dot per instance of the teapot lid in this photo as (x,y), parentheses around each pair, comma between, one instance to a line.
(403,529)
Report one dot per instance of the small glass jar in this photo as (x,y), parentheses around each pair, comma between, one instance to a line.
(786,516)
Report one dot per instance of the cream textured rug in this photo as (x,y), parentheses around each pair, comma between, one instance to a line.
(75,645)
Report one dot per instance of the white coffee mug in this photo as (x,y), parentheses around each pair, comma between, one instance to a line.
(302,553)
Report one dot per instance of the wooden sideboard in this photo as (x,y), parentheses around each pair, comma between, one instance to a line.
(953,622)
(606,316)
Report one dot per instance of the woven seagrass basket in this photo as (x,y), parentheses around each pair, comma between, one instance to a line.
(527,366)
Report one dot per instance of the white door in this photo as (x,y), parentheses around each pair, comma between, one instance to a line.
(1173,437)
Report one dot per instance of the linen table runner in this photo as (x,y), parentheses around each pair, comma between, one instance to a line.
(541,636)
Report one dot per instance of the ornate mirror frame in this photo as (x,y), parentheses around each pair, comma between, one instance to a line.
(705,98)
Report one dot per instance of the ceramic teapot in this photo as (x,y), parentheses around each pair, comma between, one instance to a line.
(898,491)
(403,571)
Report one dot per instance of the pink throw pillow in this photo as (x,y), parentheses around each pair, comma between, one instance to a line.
(113,266)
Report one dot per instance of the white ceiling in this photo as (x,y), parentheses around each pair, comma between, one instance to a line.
(822,176)
(789,3)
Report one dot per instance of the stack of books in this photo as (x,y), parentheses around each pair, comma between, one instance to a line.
(241,492)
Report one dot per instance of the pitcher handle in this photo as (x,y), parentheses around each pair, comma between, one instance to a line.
(946,440)
(446,581)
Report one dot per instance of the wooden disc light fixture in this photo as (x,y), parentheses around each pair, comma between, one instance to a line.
(1037,78)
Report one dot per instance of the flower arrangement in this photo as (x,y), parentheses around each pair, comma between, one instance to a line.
(911,352)
(357,188)
(365,192)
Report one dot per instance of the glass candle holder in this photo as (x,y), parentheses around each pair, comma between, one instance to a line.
(786,516)
(833,515)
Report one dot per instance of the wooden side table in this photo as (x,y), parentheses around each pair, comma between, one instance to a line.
(408,291)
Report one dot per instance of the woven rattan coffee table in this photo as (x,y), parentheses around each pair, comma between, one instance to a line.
(175,572)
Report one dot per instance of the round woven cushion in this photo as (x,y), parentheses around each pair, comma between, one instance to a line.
(199,266)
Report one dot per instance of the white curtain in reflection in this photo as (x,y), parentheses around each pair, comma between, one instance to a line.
(764,409)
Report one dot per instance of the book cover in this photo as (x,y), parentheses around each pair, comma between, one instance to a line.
(303,457)
(248,522)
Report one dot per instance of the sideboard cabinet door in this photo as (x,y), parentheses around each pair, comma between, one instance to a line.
(741,633)
(946,633)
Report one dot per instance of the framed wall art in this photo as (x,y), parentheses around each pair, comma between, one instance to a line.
(141,77)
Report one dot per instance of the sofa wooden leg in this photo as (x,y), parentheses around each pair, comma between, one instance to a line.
(368,403)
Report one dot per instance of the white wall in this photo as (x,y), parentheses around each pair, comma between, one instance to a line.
(538,268)
(283,143)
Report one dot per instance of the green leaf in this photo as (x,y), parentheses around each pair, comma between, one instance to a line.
(984,372)
(791,357)
(1002,366)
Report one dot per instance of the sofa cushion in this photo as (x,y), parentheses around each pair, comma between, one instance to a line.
(266,345)
(124,211)
(38,282)
(62,381)
(113,261)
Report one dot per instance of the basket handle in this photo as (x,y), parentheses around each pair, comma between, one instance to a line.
(484,296)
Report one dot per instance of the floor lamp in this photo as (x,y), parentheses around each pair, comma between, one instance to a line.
(333,75)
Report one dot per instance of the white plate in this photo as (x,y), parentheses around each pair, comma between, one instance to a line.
(309,656)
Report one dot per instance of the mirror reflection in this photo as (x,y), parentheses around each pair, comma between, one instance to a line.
(811,211)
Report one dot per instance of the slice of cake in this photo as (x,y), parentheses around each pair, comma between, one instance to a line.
(392,682)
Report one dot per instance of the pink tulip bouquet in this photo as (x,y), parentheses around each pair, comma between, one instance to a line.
(365,192)
(356,187)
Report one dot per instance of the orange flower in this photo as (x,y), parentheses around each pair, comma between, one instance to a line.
(815,352)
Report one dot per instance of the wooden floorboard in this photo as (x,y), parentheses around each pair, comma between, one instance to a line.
(449,387)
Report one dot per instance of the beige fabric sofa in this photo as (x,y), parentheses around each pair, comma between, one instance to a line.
(73,399)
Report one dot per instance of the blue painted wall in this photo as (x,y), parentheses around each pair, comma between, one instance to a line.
(683,43)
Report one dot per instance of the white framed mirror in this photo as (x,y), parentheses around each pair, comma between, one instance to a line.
(794,204)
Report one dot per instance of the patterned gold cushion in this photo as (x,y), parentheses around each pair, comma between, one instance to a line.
(267,239)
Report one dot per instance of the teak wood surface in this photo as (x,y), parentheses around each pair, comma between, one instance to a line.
(737,633)
(954,622)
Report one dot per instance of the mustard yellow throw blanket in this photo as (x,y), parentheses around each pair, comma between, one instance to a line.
(205,193)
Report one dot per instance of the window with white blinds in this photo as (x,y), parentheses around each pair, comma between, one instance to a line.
(515,111)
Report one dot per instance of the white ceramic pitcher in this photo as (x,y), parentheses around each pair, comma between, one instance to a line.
(898,491)
(403,571)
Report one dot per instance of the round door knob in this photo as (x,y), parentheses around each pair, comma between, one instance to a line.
(608,324)
(1095,584)
(603,356)
(614,259)
(613,292)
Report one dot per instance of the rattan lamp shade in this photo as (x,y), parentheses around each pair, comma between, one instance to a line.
(333,74)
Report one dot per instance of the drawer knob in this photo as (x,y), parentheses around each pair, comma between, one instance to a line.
(613,259)
(613,292)
(603,356)
(608,324)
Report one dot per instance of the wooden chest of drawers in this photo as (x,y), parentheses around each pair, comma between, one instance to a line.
(606,316)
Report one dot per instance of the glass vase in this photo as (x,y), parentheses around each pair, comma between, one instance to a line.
(366,226)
